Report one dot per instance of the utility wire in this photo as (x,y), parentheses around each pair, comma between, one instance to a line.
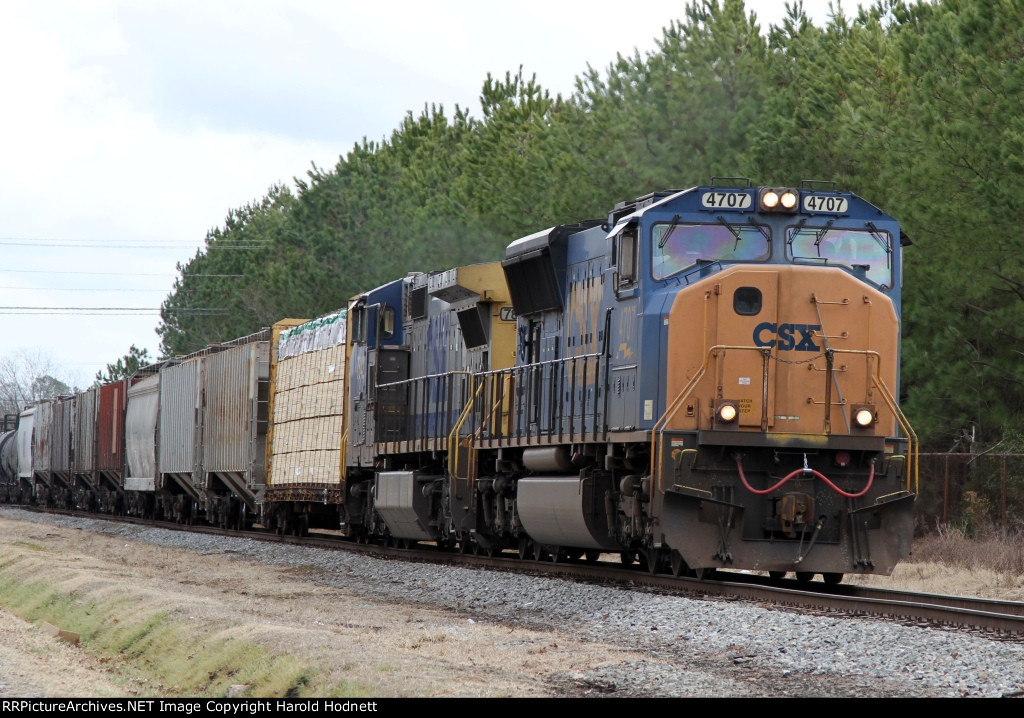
(105,310)
(82,289)
(113,274)
(88,244)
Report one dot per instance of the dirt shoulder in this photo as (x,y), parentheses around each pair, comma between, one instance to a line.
(368,647)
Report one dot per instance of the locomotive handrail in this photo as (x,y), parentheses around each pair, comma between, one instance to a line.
(673,407)
(344,453)
(901,419)
(494,407)
(559,375)
(444,383)
(658,430)
(453,447)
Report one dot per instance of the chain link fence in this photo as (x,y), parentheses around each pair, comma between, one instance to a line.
(971,492)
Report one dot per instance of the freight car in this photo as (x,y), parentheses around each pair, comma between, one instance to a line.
(702,379)
(195,435)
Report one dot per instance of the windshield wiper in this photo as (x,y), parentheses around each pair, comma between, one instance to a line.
(879,237)
(732,230)
(762,228)
(664,237)
(820,235)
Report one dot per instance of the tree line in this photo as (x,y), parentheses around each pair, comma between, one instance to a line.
(915,106)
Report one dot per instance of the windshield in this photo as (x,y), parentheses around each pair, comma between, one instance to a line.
(677,246)
(864,250)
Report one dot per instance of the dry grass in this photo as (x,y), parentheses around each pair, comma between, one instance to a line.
(989,564)
(989,549)
(164,621)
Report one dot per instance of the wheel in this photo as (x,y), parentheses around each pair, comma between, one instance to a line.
(592,555)
(677,564)
(653,557)
(524,547)
(832,579)
(706,573)
(539,553)
(627,558)
(776,575)
(804,576)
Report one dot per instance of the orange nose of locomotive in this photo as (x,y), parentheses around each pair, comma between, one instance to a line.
(805,351)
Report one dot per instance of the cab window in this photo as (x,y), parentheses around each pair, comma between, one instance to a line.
(676,247)
(359,325)
(626,255)
(865,252)
(387,322)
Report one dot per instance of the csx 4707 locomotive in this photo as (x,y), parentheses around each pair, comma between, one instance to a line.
(703,379)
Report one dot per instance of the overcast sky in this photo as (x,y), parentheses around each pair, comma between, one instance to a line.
(129,129)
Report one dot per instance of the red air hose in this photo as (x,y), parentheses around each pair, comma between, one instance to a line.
(751,489)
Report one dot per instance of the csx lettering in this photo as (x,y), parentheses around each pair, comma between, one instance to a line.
(798,337)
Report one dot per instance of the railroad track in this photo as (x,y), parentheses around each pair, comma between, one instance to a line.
(1000,620)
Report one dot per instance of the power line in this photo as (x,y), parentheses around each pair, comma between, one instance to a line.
(137,242)
(111,274)
(76,241)
(108,310)
(89,244)
(82,289)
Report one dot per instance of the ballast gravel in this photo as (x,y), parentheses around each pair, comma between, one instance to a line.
(694,647)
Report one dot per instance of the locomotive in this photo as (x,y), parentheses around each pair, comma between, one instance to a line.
(703,379)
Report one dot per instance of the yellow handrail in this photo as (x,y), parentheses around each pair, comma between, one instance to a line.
(344,454)
(453,450)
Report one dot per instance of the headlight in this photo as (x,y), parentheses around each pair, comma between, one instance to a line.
(863,416)
(727,412)
(779,199)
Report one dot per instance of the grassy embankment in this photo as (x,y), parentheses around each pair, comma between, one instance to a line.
(163,646)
